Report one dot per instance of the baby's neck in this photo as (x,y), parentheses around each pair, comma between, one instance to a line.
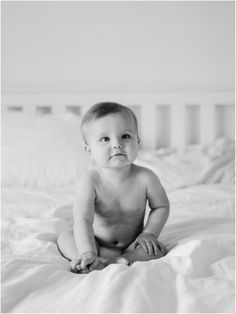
(116,175)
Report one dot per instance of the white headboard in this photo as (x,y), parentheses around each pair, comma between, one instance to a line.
(165,119)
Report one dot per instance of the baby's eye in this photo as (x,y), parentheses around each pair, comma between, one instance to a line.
(125,136)
(105,139)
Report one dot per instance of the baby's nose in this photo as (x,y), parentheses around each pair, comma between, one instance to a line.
(117,144)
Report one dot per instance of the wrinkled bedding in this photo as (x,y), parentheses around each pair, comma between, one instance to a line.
(197,274)
(196,164)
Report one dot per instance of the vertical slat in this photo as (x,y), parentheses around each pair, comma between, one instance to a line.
(192,124)
(58,109)
(207,123)
(147,128)
(229,131)
(178,125)
(29,108)
(163,126)
(224,121)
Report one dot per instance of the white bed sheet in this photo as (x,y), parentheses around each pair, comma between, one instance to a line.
(197,275)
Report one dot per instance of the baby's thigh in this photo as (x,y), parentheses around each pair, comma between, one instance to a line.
(108,253)
(68,249)
(67,246)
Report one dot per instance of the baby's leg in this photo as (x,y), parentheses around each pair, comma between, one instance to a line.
(112,256)
(66,245)
(138,254)
(68,249)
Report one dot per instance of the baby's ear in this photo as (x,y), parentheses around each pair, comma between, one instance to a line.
(87,148)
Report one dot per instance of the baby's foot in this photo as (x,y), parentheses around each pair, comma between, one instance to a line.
(122,260)
(87,270)
(100,266)
(118,260)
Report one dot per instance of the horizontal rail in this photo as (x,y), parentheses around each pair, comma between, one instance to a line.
(165,119)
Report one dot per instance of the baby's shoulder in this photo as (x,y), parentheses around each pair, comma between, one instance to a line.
(151,183)
(88,178)
(145,174)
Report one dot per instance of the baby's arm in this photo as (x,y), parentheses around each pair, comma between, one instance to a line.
(83,212)
(159,204)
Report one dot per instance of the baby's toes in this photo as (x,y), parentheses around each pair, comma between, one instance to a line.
(75,270)
(78,268)
(100,266)
(122,260)
(117,260)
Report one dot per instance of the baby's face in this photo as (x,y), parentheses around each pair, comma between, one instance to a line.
(112,140)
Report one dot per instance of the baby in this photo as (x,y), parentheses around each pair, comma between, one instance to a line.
(111,196)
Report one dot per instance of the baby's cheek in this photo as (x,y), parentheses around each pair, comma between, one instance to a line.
(134,152)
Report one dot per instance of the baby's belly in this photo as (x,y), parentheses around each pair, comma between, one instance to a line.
(119,235)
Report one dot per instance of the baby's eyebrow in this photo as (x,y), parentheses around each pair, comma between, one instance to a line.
(129,130)
(102,134)
(122,132)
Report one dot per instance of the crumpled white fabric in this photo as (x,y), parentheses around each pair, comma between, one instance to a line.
(197,164)
(196,276)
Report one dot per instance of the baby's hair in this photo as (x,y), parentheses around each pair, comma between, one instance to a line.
(103,109)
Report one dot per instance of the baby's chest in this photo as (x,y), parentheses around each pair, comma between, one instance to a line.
(120,202)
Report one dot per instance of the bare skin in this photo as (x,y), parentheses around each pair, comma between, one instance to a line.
(111,200)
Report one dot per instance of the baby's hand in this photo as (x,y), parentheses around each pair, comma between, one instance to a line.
(149,243)
(88,262)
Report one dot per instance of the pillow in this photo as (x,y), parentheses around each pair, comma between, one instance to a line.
(41,150)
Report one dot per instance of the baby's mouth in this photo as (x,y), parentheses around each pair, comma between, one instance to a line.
(118,154)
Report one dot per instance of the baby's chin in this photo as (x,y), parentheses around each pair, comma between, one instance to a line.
(120,162)
(116,164)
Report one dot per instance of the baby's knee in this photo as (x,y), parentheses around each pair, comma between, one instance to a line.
(63,237)
(162,248)
(158,254)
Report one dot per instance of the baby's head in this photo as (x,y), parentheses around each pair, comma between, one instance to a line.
(104,109)
(110,133)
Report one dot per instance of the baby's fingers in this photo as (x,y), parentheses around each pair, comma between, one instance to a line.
(150,247)
(155,247)
(86,262)
(94,265)
(75,265)
(134,244)
(144,246)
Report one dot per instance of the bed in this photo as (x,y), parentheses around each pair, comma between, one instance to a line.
(43,156)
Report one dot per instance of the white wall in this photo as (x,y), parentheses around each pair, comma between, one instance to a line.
(117,46)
